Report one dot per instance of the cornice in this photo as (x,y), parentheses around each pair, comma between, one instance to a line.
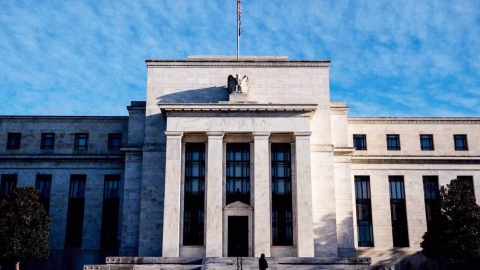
(415,160)
(414,120)
(235,63)
(62,119)
(236,107)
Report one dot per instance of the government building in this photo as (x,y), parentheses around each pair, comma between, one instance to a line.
(235,158)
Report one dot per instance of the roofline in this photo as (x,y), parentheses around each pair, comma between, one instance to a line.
(227,62)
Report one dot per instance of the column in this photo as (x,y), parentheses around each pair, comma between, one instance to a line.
(303,195)
(261,195)
(171,216)
(214,192)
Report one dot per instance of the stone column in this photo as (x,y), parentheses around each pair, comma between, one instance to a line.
(214,192)
(303,186)
(261,195)
(171,217)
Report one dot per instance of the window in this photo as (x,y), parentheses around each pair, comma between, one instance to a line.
(360,141)
(114,141)
(469,180)
(426,142)
(398,211)
(48,141)
(281,172)
(364,211)
(393,142)
(432,202)
(194,194)
(9,183)
(238,173)
(13,140)
(110,211)
(81,141)
(76,208)
(43,184)
(460,142)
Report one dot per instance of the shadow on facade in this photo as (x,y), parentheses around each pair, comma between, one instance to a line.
(201,95)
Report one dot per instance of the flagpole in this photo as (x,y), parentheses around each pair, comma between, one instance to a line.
(238,31)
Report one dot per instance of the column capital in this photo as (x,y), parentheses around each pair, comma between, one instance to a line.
(300,134)
(259,134)
(173,133)
(215,134)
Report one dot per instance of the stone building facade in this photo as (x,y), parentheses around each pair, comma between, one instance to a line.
(204,170)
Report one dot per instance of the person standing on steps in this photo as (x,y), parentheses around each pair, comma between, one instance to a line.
(262,263)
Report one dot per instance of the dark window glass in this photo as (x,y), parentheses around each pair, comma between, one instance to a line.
(460,142)
(364,211)
(281,172)
(44,185)
(238,172)
(469,180)
(398,211)
(48,141)
(393,142)
(81,141)
(432,202)
(13,140)
(114,141)
(76,208)
(360,141)
(194,194)
(110,211)
(426,142)
(9,183)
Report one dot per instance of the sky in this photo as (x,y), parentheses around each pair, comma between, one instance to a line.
(389,58)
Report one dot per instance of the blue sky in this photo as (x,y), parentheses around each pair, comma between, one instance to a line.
(389,58)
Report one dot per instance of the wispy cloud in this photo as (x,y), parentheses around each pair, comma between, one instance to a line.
(389,58)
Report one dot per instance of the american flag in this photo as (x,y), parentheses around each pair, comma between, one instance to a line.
(239,13)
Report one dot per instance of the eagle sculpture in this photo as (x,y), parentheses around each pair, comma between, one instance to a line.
(238,85)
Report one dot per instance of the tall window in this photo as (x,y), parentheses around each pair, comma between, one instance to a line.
(9,183)
(114,141)
(432,202)
(460,142)
(76,207)
(426,142)
(194,194)
(48,141)
(81,141)
(238,172)
(110,211)
(13,140)
(364,211)
(469,180)
(398,211)
(393,142)
(360,141)
(43,184)
(282,220)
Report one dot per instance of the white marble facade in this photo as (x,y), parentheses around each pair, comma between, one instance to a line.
(288,102)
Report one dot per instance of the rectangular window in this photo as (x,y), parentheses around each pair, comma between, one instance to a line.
(110,211)
(48,141)
(114,141)
(398,211)
(43,184)
(9,183)
(364,211)
(13,140)
(426,142)
(360,141)
(194,194)
(76,208)
(81,141)
(469,180)
(238,173)
(460,142)
(393,142)
(281,173)
(432,202)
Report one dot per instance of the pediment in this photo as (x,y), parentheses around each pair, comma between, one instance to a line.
(238,205)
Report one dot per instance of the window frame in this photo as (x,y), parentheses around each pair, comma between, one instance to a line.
(432,200)
(362,138)
(112,137)
(44,198)
(14,140)
(110,211)
(363,198)
(8,178)
(238,165)
(393,146)
(462,138)
(398,211)
(76,211)
(45,137)
(78,138)
(427,138)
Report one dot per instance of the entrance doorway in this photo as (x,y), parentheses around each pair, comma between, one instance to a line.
(238,236)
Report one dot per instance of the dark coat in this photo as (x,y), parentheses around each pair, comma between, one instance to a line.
(262,264)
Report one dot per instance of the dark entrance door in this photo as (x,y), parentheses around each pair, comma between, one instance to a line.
(238,236)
